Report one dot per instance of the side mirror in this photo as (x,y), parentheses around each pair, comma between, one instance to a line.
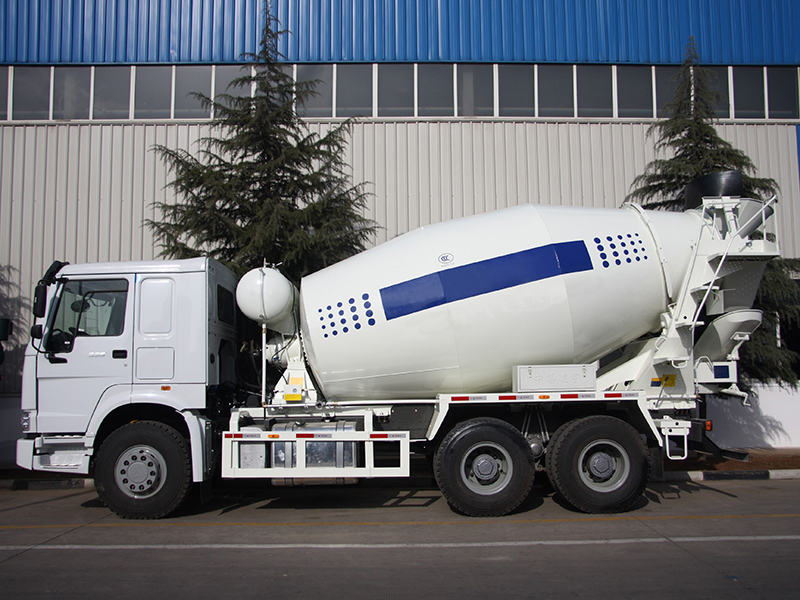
(40,300)
(80,306)
(37,332)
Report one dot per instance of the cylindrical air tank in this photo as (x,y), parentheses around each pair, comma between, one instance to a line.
(452,307)
(265,296)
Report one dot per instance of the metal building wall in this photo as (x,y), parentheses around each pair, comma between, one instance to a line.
(129,31)
(728,32)
(572,31)
(426,172)
(81,192)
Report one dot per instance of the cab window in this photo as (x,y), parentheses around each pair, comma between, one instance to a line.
(226,306)
(91,308)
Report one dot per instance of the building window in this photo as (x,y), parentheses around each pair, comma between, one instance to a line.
(191,80)
(31,93)
(782,92)
(748,92)
(153,93)
(555,91)
(666,84)
(71,86)
(475,90)
(718,83)
(392,90)
(224,77)
(595,94)
(354,90)
(112,92)
(634,92)
(319,104)
(396,90)
(435,82)
(516,90)
(3,93)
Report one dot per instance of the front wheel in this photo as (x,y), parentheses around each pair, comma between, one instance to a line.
(143,470)
(598,464)
(484,467)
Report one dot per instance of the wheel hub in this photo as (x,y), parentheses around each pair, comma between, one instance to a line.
(140,471)
(604,465)
(485,467)
(601,465)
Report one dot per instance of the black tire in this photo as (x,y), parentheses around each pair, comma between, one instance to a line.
(484,467)
(598,464)
(143,470)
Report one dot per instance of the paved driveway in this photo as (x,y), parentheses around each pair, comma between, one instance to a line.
(727,539)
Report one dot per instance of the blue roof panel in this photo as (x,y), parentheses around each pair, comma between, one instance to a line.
(129,31)
(571,31)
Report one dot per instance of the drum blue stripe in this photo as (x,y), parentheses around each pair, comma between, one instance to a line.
(476,279)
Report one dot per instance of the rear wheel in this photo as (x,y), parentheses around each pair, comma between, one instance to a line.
(484,467)
(143,470)
(598,464)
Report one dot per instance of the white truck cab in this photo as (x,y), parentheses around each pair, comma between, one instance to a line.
(123,343)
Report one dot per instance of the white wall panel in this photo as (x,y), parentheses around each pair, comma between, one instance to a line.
(78,193)
(82,192)
(425,172)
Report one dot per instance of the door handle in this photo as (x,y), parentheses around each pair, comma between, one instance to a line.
(119,354)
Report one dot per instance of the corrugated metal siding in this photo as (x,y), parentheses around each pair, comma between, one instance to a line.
(77,193)
(426,172)
(571,31)
(81,192)
(129,31)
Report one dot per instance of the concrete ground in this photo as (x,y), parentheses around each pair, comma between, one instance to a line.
(390,539)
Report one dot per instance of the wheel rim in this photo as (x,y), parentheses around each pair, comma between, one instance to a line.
(604,465)
(486,468)
(140,471)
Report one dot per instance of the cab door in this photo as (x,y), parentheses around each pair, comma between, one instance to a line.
(87,349)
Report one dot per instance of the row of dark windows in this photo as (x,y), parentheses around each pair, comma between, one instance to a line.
(109,93)
(394,90)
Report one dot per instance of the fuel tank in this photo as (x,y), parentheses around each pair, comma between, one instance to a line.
(454,306)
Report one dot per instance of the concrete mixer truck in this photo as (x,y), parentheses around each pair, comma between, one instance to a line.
(576,342)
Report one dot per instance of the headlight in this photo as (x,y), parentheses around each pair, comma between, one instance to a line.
(25,421)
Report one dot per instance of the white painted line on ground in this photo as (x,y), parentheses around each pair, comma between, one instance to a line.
(435,545)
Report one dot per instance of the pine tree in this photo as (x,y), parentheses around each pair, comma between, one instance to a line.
(688,137)
(262,186)
(766,358)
